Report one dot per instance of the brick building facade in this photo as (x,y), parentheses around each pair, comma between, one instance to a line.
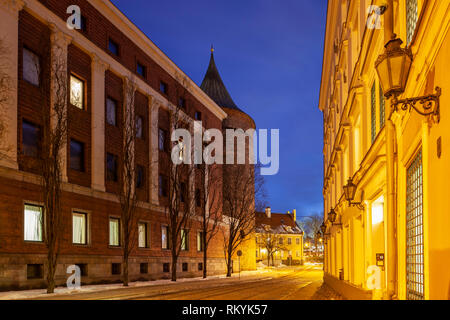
(100,59)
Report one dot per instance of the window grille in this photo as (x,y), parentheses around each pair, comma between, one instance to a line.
(414,231)
(411,19)
(373,114)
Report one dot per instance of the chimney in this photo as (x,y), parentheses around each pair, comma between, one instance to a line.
(294,214)
(268,212)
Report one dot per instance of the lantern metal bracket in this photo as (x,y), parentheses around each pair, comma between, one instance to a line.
(359,205)
(429,105)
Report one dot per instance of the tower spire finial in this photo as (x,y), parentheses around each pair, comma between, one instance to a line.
(212,48)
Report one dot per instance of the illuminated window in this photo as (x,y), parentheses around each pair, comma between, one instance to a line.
(411,19)
(76,92)
(31,67)
(378,211)
(184,239)
(79,228)
(114,232)
(143,235)
(165,237)
(33,223)
(200,241)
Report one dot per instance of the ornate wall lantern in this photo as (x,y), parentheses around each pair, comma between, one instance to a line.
(323,228)
(393,68)
(350,192)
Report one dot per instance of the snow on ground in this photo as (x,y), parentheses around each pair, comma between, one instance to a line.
(29,294)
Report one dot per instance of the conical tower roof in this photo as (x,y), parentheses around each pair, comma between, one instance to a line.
(214,87)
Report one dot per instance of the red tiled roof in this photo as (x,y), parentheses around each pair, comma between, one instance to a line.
(277,221)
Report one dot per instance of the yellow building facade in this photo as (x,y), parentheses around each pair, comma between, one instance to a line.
(392,242)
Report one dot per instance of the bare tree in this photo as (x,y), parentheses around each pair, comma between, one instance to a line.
(211,206)
(180,206)
(242,187)
(126,193)
(52,146)
(312,227)
(272,242)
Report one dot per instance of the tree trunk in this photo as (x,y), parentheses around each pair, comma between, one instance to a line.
(229,266)
(51,260)
(125,270)
(205,258)
(174,265)
(268,259)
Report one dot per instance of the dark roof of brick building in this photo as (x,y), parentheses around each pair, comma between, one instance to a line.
(279,223)
(214,87)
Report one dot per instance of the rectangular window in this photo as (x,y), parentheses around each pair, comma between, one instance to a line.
(184,239)
(297,241)
(200,266)
(139,127)
(163,87)
(411,19)
(140,177)
(280,241)
(143,235)
(200,241)
(198,116)
(35,271)
(111,111)
(30,139)
(113,47)
(382,106)
(182,103)
(33,223)
(373,114)
(297,253)
(289,241)
(166,267)
(162,186)
(116,268)
(165,237)
(31,67)
(111,167)
(162,139)
(415,272)
(141,70)
(76,92)
(79,228)
(143,268)
(76,155)
(185,266)
(114,232)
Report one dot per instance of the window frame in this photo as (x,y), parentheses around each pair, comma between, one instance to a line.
(167,243)
(83,155)
(119,236)
(34,204)
(116,103)
(86,226)
(162,144)
(83,95)
(144,69)
(162,186)
(117,46)
(147,234)
(38,131)
(184,239)
(163,84)
(116,173)
(39,71)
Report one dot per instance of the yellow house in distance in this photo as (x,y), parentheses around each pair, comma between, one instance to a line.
(386,148)
(277,235)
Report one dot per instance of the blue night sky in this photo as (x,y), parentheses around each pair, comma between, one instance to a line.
(269,54)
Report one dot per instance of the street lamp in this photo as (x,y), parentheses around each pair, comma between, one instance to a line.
(323,228)
(350,192)
(393,68)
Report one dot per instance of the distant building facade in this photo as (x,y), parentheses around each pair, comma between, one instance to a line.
(278,235)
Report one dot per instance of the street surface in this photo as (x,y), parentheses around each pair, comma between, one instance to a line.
(289,283)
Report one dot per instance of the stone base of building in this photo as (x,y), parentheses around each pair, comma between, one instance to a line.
(15,269)
(347,290)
